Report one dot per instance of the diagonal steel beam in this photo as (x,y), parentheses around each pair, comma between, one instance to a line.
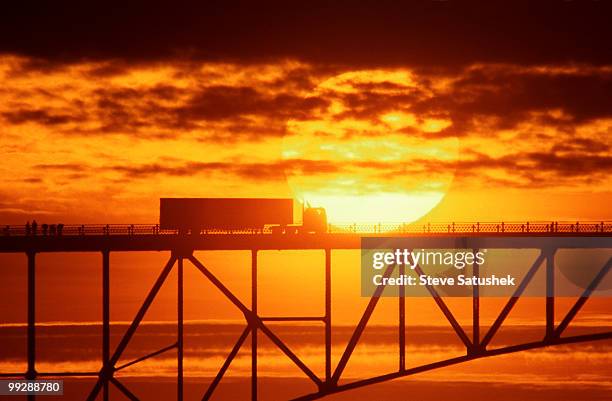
(213,385)
(217,283)
(148,356)
(350,347)
(255,321)
(583,298)
(124,389)
(106,373)
(515,296)
(450,362)
(447,313)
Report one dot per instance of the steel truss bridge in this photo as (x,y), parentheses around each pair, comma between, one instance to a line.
(547,237)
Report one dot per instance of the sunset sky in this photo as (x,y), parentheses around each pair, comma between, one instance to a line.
(378,111)
(434,111)
(471,112)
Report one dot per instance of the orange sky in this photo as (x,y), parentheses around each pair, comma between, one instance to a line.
(102,141)
(380,112)
(376,122)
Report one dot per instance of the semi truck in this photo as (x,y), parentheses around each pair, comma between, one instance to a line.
(194,215)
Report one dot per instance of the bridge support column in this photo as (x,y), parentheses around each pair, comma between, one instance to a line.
(105,316)
(550,295)
(31,372)
(328,312)
(476,347)
(402,321)
(254,326)
(179,329)
(107,372)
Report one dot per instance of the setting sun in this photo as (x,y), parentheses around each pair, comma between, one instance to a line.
(329,159)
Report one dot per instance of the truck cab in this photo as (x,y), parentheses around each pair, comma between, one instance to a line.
(314,220)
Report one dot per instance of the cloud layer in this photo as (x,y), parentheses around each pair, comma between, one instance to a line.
(127,105)
(438,34)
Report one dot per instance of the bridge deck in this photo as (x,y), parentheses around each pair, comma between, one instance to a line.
(165,242)
(547,237)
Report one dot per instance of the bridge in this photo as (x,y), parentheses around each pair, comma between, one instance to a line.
(547,237)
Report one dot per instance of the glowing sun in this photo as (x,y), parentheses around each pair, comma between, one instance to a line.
(367,158)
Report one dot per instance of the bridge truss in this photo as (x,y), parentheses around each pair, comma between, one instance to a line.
(181,248)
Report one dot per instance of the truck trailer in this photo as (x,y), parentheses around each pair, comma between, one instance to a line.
(236,214)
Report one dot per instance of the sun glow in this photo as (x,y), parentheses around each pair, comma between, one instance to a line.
(384,208)
(368,169)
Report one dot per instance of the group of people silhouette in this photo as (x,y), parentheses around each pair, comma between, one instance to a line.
(45,229)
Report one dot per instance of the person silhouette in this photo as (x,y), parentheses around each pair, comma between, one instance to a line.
(34,227)
(27,228)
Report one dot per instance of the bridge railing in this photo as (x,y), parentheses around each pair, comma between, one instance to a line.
(475,227)
(358,228)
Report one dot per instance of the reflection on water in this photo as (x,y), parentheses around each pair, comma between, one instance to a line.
(78,348)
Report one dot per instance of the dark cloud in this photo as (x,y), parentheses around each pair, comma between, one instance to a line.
(31,180)
(165,92)
(510,96)
(124,109)
(305,78)
(424,33)
(571,165)
(583,164)
(488,98)
(532,169)
(132,110)
(369,104)
(225,102)
(522,170)
(506,95)
(253,171)
(227,113)
(586,145)
(66,167)
(40,116)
